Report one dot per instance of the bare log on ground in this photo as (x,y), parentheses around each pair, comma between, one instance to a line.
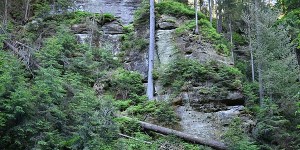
(191,138)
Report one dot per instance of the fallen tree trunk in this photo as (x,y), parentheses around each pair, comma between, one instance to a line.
(184,136)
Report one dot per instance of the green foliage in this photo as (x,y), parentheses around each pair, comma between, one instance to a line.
(187,71)
(128,126)
(63,52)
(167,7)
(160,112)
(125,83)
(176,9)
(250,92)
(272,127)
(77,17)
(172,142)
(222,49)
(139,142)
(165,115)
(238,39)
(131,42)
(237,138)
(41,8)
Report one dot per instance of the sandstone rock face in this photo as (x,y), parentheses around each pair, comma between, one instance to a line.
(167,22)
(79,28)
(203,114)
(193,47)
(114,27)
(123,9)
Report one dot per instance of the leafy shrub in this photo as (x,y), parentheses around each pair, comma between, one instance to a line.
(222,49)
(237,139)
(165,115)
(192,72)
(127,125)
(168,7)
(80,17)
(272,127)
(239,39)
(176,9)
(130,42)
(123,83)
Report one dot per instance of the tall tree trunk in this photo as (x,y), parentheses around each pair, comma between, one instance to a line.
(196,17)
(251,60)
(219,22)
(27,4)
(5,13)
(210,11)
(231,40)
(260,59)
(260,82)
(150,89)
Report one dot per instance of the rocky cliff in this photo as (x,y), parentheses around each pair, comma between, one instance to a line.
(205,107)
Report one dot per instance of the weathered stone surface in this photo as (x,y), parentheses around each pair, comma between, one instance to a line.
(79,28)
(114,27)
(167,22)
(235,95)
(83,38)
(124,9)
(136,61)
(111,42)
(193,47)
(211,125)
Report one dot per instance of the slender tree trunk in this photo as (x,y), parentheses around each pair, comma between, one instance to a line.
(260,81)
(92,32)
(27,4)
(210,11)
(150,89)
(231,40)
(219,22)
(250,48)
(5,13)
(252,60)
(196,17)
(260,59)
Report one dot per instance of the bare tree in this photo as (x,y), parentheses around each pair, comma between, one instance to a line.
(231,40)
(5,13)
(210,11)
(27,6)
(150,88)
(247,19)
(196,17)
